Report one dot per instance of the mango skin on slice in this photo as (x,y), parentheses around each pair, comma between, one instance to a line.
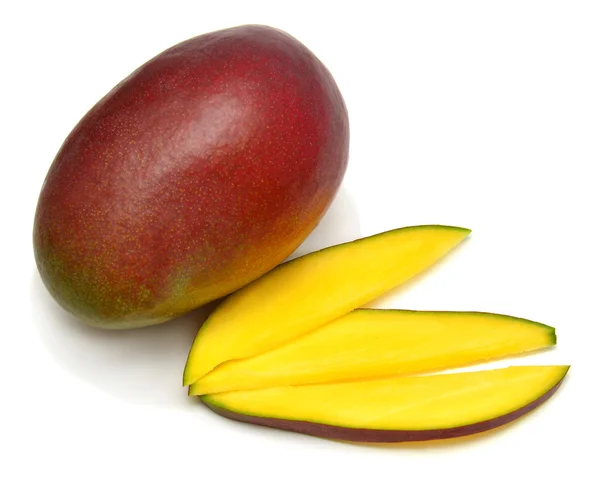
(371,343)
(303,294)
(399,409)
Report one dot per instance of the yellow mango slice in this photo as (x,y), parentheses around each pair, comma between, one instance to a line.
(370,343)
(307,292)
(396,409)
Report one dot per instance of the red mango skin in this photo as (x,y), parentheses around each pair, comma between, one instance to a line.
(198,173)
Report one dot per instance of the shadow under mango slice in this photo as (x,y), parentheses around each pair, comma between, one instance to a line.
(303,294)
(398,409)
(371,343)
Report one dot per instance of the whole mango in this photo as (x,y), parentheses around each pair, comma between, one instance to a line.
(198,173)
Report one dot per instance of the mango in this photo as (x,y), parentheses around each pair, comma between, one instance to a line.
(397,408)
(374,343)
(198,173)
(308,292)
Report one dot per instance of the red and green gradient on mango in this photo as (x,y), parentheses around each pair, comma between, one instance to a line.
(201,172)
(198,173)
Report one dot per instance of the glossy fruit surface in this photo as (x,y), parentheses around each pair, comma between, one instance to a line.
(198,173)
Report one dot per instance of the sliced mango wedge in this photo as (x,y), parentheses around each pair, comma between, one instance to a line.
(307,292)
(397,409)
(371,343)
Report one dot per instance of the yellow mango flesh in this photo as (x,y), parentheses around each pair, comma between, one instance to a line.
(370,343)
(431,402)
(307,292)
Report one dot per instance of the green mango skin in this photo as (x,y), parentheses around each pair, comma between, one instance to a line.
(198,173)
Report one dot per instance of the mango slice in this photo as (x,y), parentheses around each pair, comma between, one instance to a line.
(370,343)
(303,294)
(397,409)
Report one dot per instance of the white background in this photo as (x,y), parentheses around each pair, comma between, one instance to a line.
(479,114)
